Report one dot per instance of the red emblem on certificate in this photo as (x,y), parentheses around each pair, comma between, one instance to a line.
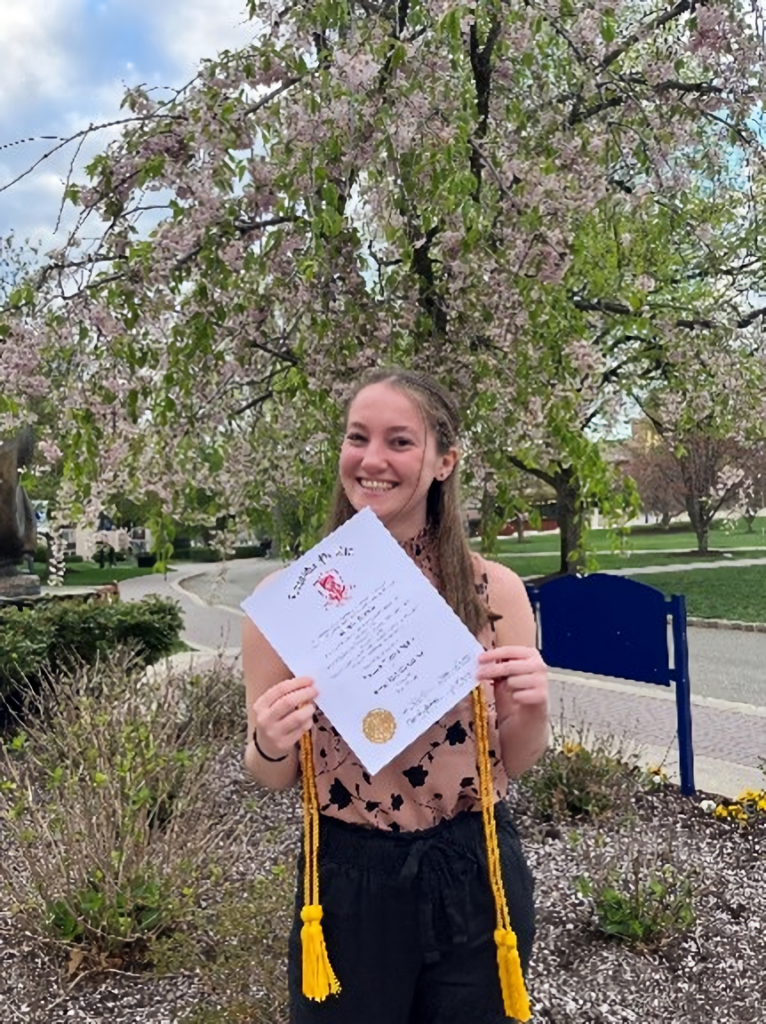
(332,587)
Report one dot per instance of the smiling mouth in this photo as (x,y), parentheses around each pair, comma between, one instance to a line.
(378,486)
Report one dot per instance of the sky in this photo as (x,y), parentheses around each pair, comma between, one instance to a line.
(65,64)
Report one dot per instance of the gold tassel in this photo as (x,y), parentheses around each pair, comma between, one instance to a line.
(515,999)
(319,979)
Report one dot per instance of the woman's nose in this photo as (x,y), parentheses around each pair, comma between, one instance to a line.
(374,455)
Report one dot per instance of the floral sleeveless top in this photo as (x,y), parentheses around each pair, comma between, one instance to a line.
(435,777)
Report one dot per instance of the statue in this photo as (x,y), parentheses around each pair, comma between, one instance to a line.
(18,525)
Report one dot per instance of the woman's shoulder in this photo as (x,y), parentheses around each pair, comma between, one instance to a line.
(507,598)
(496,576)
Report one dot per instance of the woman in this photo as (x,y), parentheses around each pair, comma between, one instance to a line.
(409,921)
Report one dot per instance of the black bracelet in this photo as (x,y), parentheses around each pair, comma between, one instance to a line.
(266,757)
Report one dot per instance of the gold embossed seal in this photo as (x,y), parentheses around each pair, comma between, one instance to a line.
(379,725)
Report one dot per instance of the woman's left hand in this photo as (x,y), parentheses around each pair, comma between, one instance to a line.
(519,675)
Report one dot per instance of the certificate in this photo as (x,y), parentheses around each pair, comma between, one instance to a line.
(387,653)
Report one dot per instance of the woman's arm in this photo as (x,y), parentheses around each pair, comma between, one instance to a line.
(280,709)
(517,671)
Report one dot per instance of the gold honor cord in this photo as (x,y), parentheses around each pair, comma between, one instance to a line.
(515,999)
(319,979)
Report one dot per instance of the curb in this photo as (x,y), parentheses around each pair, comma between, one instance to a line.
(745,627)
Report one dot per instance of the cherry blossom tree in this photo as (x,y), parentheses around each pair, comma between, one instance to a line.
(546,203)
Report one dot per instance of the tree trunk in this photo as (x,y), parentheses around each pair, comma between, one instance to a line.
(520,527)
(570,517)
(700,521)
(665,522)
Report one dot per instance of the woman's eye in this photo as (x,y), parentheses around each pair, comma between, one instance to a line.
(401,442)
(356,438)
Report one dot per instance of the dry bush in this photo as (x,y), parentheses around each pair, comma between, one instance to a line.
(101,799)
(582,775)
(237,949)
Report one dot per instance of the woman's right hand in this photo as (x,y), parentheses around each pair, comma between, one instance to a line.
(283,714)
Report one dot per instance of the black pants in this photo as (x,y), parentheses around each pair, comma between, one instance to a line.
(409,922)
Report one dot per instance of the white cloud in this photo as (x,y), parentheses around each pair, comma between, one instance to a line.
(64,65)
(189,30)
(36,61)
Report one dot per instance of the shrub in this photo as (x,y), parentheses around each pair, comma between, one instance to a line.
(640,908)
(101,799)
(152,625)
(238,947)
(64,632)
(585,777)
(42,554)
(25,641)
(196,555)
(210,704)
(253,550)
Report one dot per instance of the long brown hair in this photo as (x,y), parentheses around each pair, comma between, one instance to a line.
(443,508)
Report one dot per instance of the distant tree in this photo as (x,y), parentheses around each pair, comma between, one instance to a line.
(658,479)
(752,491)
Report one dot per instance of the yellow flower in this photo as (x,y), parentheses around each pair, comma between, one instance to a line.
(570,748)
(747,794)
(721,811)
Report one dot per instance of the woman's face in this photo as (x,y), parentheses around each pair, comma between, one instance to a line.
(389,459)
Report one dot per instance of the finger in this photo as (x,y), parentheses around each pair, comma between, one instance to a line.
(527,682)
(292,701)
(504,669)
(298,721)
(525,690)
(295,736)
(530,695)
(287,686)
(282,734)
(508,652)
(283,699)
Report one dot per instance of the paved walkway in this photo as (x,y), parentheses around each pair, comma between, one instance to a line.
(729,736)
(722,563)
(208,626)
(633,551)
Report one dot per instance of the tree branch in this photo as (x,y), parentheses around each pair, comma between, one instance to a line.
(532,470)
(675,12)
(622,309)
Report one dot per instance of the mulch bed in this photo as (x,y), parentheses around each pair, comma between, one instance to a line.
(712,972)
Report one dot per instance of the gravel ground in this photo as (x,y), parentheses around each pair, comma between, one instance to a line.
(715,972)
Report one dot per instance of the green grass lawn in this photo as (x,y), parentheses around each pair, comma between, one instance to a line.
(737,593)
(88,574)
(541,565)
(600,540)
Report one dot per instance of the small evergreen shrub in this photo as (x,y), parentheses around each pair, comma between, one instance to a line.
(62,633)
(253,550)
(42,554)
